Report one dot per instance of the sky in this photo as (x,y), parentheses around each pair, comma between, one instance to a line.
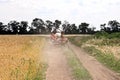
(94,12)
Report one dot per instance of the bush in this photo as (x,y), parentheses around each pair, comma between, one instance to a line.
(114,35)
(79,41)
(104,34)
(101,34)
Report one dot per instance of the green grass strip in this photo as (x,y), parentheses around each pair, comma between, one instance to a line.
(78,71)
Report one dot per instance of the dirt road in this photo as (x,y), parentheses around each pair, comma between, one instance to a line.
(58,68)
(57,64)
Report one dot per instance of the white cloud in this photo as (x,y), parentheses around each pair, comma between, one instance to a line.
(75,11)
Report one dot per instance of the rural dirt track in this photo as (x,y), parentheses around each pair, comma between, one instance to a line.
(57,64)
(58,68)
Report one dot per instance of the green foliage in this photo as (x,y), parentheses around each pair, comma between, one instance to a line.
(101,34)
(79,41)
(108,39)
(114,35)
(104,34)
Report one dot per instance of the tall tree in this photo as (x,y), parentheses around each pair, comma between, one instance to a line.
(57,23)
(49,25)
(38,25)
(91,30)
(65,26)
(115,25)
(83,27)
(67,29)
(1,27)
(102,26)
(74,29)
(23,27)
(13,26)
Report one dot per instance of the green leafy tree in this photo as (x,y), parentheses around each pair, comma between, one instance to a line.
(23,27)
(57,23)
(49,25)
(1,27)
(115,25)
(91,30)
(37,26)
(13,27)
(74,29)
(83,27)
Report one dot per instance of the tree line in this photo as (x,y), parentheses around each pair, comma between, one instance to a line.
(38,26)
(111,27)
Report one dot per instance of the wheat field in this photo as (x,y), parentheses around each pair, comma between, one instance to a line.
(21,57)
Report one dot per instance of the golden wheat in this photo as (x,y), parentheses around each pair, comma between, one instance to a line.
(20,57)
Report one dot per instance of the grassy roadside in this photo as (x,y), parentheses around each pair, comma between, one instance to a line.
(78,71)
(107,59)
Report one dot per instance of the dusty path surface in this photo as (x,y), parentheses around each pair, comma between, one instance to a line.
(58,68)
(95,68)
(57,64)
